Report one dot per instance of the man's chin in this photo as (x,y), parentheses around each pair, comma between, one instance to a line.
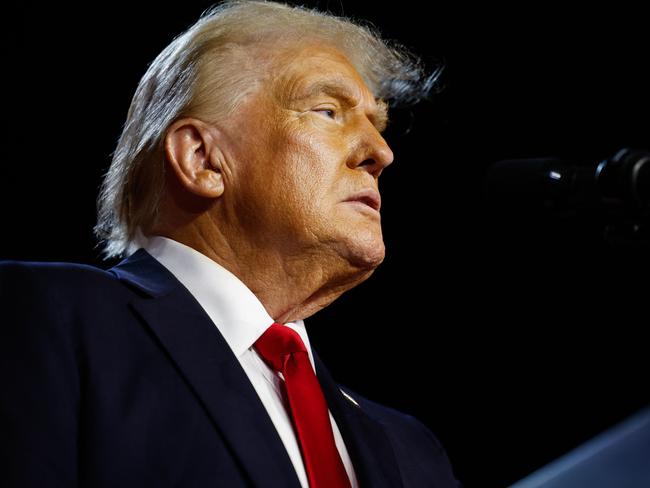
(366,253)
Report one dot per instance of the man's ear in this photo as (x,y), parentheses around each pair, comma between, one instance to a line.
(193,154)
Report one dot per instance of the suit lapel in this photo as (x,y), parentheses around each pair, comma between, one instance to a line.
(209,366)
(369,448)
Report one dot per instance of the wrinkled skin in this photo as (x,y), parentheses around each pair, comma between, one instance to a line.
(267,194)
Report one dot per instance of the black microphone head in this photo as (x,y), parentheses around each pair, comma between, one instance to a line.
(624,180)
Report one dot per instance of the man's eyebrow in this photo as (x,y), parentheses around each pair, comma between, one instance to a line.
(343,92)
(333,88)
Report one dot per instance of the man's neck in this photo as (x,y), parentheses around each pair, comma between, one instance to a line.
(289,288)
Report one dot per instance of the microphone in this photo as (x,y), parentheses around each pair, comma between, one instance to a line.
(617,187)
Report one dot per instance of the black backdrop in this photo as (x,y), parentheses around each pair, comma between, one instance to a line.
(514,339)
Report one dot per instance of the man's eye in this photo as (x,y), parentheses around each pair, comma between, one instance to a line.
(331,113)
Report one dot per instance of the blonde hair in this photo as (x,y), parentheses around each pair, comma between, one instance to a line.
(209,70)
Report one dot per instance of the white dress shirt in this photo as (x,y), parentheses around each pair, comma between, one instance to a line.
(242,319)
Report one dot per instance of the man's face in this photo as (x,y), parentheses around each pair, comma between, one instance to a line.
(305,157)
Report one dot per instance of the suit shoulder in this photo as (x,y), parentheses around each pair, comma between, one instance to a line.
(60,274)
(57,286)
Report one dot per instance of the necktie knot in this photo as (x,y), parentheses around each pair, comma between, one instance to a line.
(278,342)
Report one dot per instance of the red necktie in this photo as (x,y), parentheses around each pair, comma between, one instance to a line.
(283,350)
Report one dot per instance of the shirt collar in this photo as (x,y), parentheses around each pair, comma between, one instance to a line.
(233,307)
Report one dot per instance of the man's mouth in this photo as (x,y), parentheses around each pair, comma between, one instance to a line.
(368,197)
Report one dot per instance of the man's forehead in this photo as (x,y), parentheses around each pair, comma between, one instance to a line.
(320,65)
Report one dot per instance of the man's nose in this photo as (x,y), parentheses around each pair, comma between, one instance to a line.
(374,154)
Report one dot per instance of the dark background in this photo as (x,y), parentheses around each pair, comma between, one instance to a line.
(515,338)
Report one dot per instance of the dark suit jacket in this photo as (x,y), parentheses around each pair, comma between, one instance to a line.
(119,378)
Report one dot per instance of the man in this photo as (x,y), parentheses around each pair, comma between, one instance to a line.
(244,195)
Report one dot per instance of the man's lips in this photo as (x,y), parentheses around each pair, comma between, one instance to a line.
(368,197)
